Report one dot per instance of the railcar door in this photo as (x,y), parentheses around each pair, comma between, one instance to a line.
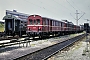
(17,22)
(47,25)
(8,26)
(50,25)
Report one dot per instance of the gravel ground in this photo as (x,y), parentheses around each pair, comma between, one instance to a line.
(76,52)
(11,52)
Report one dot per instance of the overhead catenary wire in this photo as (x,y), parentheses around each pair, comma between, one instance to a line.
(44,7)
(47,9)
(76,12)
(62,5)
(40,6)
(72,7)
(77,7)
(65,7)
(51,11)
(50,6)
(72,16)
(70,4)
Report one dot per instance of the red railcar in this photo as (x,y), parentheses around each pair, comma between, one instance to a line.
(43,26)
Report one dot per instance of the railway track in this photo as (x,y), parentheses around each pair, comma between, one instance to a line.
(8,38)
(45,53)
(16,40)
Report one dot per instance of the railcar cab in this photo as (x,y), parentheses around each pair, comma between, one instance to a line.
(13,25)
(34,23)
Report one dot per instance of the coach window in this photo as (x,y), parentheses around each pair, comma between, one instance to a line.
(31,22)
(38,21)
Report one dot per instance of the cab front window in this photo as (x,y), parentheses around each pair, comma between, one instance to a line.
(31,21)
(35,22)
(38,21)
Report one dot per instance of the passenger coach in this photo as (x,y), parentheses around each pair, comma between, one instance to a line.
(14,25)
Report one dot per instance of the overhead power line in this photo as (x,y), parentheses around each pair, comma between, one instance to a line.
(76,12)
(50,6)
(70,4)
(76,6)
(62,5)
(72,16)
(40,6)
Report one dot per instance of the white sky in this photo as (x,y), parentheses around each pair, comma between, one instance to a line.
(56,9)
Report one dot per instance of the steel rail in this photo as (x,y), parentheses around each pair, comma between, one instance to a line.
(47,52)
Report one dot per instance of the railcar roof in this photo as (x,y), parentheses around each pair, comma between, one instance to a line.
(58,20)
(54,19)
(51,19)
(13,17)
(45,17)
